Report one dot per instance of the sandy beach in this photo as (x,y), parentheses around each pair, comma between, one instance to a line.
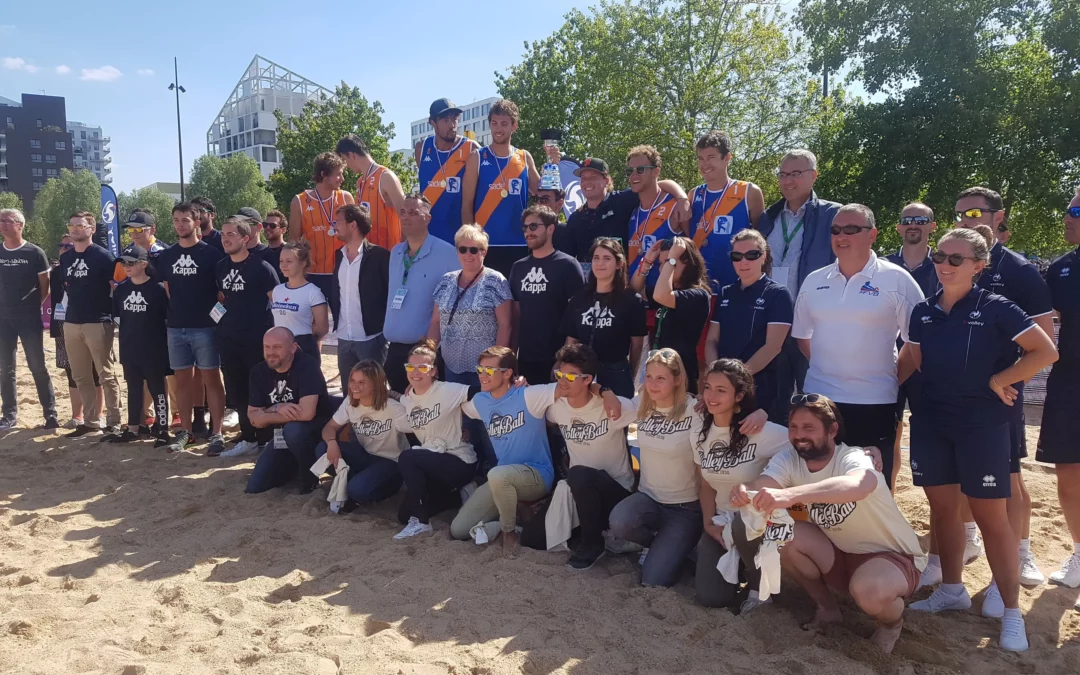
(126,560)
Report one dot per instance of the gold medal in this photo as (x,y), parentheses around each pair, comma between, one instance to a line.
(503,194)
(442,183)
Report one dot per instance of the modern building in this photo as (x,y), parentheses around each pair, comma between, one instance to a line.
(171,189)
(474,123)
(91,150)
(34,144)
(246,122)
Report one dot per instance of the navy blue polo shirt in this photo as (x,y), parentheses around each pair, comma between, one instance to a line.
(924,274)
(744,315)
(961,350)
(1063,279)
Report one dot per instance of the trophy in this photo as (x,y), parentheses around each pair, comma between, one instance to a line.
(549,174)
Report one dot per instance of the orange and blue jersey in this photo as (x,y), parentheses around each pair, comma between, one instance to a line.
(714,219)
(502,193)
(316,227)
(647,226)
(385,223)
(441,176)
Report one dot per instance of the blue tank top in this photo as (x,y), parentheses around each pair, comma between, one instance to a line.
(647,225)
(441,176)
(499,215)
(715,218)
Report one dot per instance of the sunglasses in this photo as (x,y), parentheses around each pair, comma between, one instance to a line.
(666,352)
(1074,211)
(421,367)
(847,229)
(128,263)
(475,250)
(914,220)
(66,247)
(789,174)
(973,213)
(138,230)
(531,227)
(799,399)
(736,256)
(489,370)
(569,377)
(955,260)
(272,226)
(631,170)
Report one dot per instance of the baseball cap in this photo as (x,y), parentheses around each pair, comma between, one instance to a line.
(442,105)
(593,163)
(249,213)
(135,254)
(141,219)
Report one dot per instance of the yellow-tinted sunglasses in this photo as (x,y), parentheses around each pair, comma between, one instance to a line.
(973,213)
(489,370)
(569,377)
(422,367)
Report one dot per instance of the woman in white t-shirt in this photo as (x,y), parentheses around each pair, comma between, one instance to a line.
(443,463)
(298,304)
(378,436)
(726,457)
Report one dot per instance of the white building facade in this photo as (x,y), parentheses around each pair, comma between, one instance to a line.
(90,148)
(474,123)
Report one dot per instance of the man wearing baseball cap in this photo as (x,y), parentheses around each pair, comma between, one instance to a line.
(254,218)
(441,160)
(141,226)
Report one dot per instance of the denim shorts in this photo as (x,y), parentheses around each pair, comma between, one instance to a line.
(193,347)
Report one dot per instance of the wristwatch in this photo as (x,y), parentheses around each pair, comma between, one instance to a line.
(672,261)
(604,389)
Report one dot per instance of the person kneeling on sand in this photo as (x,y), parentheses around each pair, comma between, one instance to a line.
(856,540)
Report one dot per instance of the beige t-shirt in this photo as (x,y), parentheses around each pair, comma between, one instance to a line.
(379,431)
(723,469)
(872,525)
(667,460)
(595,440)
(435,418)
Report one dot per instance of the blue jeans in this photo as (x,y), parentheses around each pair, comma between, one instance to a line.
(193,347)
(371,478)
(28,329)
(277,466)
(350,353)
(669,531)
(478,436)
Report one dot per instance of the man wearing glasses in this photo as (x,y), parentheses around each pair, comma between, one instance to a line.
(652,220)
(847,317)
(141,226)
(207,232)
(275,225)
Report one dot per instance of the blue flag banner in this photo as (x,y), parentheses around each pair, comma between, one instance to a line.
(571,186)
(110,218)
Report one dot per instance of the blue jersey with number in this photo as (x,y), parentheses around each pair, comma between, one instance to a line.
(500,215)
(715,217)
(441,175)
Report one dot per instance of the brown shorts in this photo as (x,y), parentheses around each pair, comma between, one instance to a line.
(845,564)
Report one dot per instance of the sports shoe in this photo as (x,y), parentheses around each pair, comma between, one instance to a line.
(414,528)
(993,607)
(217,445)
(943,601)
(82,430)
(175,423)
(7,423)
(112,429)
(181,440)
(144,431)
(467,491)
(752,602)
(242,448)
(973,549)
(1013,636)
(641,558)
(1069,574)
(161,439)
(51,423)
(128,436)
(231,419)
(1030,574)
(931,576)
(585,558)
(73,423)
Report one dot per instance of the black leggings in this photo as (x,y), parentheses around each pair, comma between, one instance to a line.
(432,480)
(154,377)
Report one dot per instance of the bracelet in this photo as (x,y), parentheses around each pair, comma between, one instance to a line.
(993,381)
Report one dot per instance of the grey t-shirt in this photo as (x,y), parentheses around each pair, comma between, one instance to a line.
(19,270)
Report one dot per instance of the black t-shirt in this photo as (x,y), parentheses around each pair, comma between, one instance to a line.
(680,328)
(190,276)
(610,219)
(304,378)
(273,256)
(606,322)
(142,310)
(19,270)
(245,286)
(214,239)
(88,284)
(542,287)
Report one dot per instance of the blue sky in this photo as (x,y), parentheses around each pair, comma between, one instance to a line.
(113,61)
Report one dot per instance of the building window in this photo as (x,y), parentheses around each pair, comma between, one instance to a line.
(35,171)
(61,145)
(83,134)
(97,155)
(52,173)
(487,107)
(254,120)
(39,124)
(95,135)
(37,186)
(242,126)
(262,104)
(35,157)
(50,159)
(34,143)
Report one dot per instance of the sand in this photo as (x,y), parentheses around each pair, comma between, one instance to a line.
(125,560)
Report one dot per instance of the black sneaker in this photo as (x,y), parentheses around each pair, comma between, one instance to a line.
(584,559)
(217,446)
(81,431)
(128,436)
(144,431)
(308,483)
(51,423)
(181,440)
(7,423)
(112,429)
(161,440)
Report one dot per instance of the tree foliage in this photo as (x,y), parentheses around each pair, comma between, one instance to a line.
(10,200)
(318,128)
(231,183)
(156,202)
(663,73)
(58,199)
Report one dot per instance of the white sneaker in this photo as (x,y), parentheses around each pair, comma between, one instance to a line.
(931,576)
(72,423)
(942,601)
(752,602)
(615,545)
(973,549)
(1069,574)
(414,528)
(231,419)
(240,449)
(468,491)
(1030,574)
(993,606)
(1013,634)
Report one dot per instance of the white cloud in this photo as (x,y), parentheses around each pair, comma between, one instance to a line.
(102,74)
(145,71)
(17,63)
(62,70)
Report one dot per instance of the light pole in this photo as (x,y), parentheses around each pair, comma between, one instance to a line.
(175,86)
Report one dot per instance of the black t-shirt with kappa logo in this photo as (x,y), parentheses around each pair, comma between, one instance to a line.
(190,275)
(542,288)
(245,285)
(304,378)
(87,280)
(606,322)
(19,270)
(142,310)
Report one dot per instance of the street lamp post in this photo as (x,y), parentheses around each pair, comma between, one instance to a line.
(175,86)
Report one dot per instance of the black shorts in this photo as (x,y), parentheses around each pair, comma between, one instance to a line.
(1059,436)
(1017,443)
(975,458)
(871,424)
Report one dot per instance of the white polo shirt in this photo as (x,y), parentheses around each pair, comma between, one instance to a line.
(350,322)
(852,326)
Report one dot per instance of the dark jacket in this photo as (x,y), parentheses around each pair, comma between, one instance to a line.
(374,286)
(816,242)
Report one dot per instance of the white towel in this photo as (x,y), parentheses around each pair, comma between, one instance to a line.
(339,488)
(562,516)
(775,529)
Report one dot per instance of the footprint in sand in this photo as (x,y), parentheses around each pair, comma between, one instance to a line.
(373,626)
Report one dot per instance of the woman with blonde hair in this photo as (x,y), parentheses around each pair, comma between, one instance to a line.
(298,304)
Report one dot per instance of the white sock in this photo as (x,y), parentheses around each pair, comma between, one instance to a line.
(952,589)
(1025,548)
(1013,613)
(972,531)
(1076,547)
(935,560)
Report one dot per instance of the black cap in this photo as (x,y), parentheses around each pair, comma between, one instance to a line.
(141,219)
(249,213)
(135,254)
(442,105)
(592,163)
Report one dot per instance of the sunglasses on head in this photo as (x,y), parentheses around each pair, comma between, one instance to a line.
(1074,211)
(489,370)
(914,220)
(419,367)
(666,352)
(799,399)
(569,377)
(531,227)
(973,213)
(631,170)
(848,229)
(755,254)
(955,260)
(475,250)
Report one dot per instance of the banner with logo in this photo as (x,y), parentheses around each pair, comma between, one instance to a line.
(571,185)
(110,219)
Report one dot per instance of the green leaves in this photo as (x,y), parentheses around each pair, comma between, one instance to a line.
(58,199)
(156,202)
(230,183)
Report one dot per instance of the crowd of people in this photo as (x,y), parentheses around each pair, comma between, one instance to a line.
(665,371)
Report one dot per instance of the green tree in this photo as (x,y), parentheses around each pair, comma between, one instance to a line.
(10,200)
(61,197)
(663,73)
(318,128)
(157,203)
(230,183)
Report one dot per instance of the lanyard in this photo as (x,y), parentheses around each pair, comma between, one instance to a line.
(500,185)
(461,294)
(712,211)
(639,226)
(789,236)
(661,314)
(408,261)
(438,155)
(322,207)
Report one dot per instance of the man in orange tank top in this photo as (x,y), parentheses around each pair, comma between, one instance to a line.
(377,188)
(311,217)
